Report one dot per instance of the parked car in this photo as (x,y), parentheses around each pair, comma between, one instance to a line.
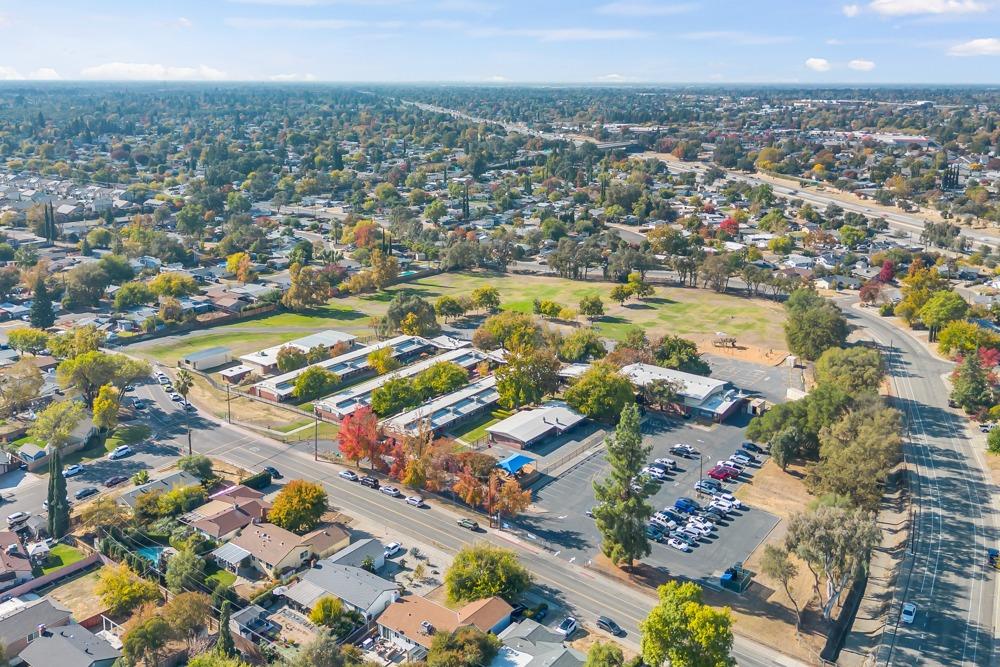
(731,499)
(656,473)
(85,492)
(698,530)
(567,627)
(392,549)
(416,501)
(390,491)
(669,463)
(120,452)
(654,532)
(370,482)
(606,624)
(756,449)
(684,537)
(740,459)
(662,519)
(72,470)
(468,523)
(747,455)
(517,612)
(719,473)
(731,464)
(678,544)
(16,518)
(272,471)
(686,505)
(683,450)
(701,523)
(909,612)
(348,475)
(138,406)
(114,480)
(690,533)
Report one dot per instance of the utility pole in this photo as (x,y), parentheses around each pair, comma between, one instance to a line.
(229,407)
(315,438)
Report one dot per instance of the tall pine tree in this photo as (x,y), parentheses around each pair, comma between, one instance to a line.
(40,314)
(622,512)
(58,523)
(225,645)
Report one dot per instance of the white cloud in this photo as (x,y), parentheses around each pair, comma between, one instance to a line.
(737,37)
(118,71)
(910,7)
(834,42)
(497,78)
(466,6)
(818,64)
(638,8)
(987,46)
(615,78)
(183,22)
(860,65)
(9,74)
(44,74)
(292,76)
(850,11)
(560,34)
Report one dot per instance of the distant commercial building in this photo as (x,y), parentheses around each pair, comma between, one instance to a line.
(700,396)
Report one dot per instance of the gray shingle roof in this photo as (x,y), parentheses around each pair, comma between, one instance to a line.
(68,646)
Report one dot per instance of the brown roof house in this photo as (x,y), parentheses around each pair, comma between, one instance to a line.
(412,620)
(228,512)
(272,550)
(15,566)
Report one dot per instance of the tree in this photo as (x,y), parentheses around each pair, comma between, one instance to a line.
(76,341)
(412,315)
(778,566)
(856,370)
(638,287)
(213,659)
(310,288)
(527,377)
(605,654)
(395,395)
(993,441)
(971,388)
(198,465)
(58,513)
(384,269)
(27,339)
(784,446)
(290,358)
(620,294)
(359,437)
(173,284)
(121,590)
(185,571)
(600,393)
(621,512)
(133,294)
(835,544)
(41,314)
(448,307)
(486,298)
(482,570)
(323,651)
(106,408)
(224,645)
(299,506)
(55,424)
(466,647)
(592,307)
(145,638)
(382,360)
(105,512)
(180,499)
(813,330)
(960,337)
(183,384)
(314,382)
(680,354)
(509,330)
(942,307)
(327,611)
(662,393)
(441,378)
(90,371)
(581,345)
(685,631)
(85,285)
(19,387)
(507,498)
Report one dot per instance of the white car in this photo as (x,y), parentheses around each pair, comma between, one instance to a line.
(909,613)
(389,491)
(392,549)
(677,544)
(721,506)
(120,452)
(698,529)
(567,627)
(730,498)
(668,462)
(655,473)
(177,398)
(730,464)
(416,501)
(348,474)
(663,520)
(72,470)
(701,523)
(739,458)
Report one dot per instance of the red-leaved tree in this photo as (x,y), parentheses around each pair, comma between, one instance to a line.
(729,227)
(359,436)
(888,271)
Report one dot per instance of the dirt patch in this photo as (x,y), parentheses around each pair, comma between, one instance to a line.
(993,463)
(780,493)
(79,597)
(248,411)
(750,353)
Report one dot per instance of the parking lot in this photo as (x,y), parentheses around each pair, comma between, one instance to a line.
(564,527)
(769,382)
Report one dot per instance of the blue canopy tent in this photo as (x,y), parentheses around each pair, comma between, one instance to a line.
(514,463)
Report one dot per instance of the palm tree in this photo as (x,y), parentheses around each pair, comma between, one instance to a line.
(183,385)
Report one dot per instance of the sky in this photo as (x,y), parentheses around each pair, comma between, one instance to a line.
(500,41)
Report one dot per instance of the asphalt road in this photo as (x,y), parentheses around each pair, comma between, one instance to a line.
(945,573)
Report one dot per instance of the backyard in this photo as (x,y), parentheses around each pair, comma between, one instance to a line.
(60,556)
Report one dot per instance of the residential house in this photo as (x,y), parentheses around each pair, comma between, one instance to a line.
(15,566)
(412,621)
(23,621)
(837,282)
(163,485)
(70,646)
(367,550)
(358,589)
(530,644)
(228,512)
(273,550)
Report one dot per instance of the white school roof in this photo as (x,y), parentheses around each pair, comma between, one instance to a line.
(528,425)
(269,356)
(695,388)
(450,408)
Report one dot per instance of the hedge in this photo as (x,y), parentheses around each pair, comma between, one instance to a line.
(260,481)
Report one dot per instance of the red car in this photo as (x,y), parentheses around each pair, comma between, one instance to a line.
(732,472)
(719,474)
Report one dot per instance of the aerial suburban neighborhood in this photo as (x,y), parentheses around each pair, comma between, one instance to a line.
(306,372)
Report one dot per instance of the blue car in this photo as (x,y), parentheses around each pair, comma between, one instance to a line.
(686,505)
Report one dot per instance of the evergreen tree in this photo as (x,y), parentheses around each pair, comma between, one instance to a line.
(622,512)
(40,314)
(225,645)
(58,524)
(971,386)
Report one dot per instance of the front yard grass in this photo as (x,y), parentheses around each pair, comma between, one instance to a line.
(60,556)
(127,435)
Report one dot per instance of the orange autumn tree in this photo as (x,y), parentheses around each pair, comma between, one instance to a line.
(359,438)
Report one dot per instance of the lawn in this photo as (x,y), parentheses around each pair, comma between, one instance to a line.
(240,342)
(222,576)
(127,435)
(61,555)
(477,429)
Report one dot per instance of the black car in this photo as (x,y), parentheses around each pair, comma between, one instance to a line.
(115,480)
(606,624)
(517,613)
(273,472)
(85,492)
(370,482)
(756,449)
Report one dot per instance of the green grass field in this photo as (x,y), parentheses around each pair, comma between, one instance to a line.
(694,313)
(477,429)
(61,555)
(225,577)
